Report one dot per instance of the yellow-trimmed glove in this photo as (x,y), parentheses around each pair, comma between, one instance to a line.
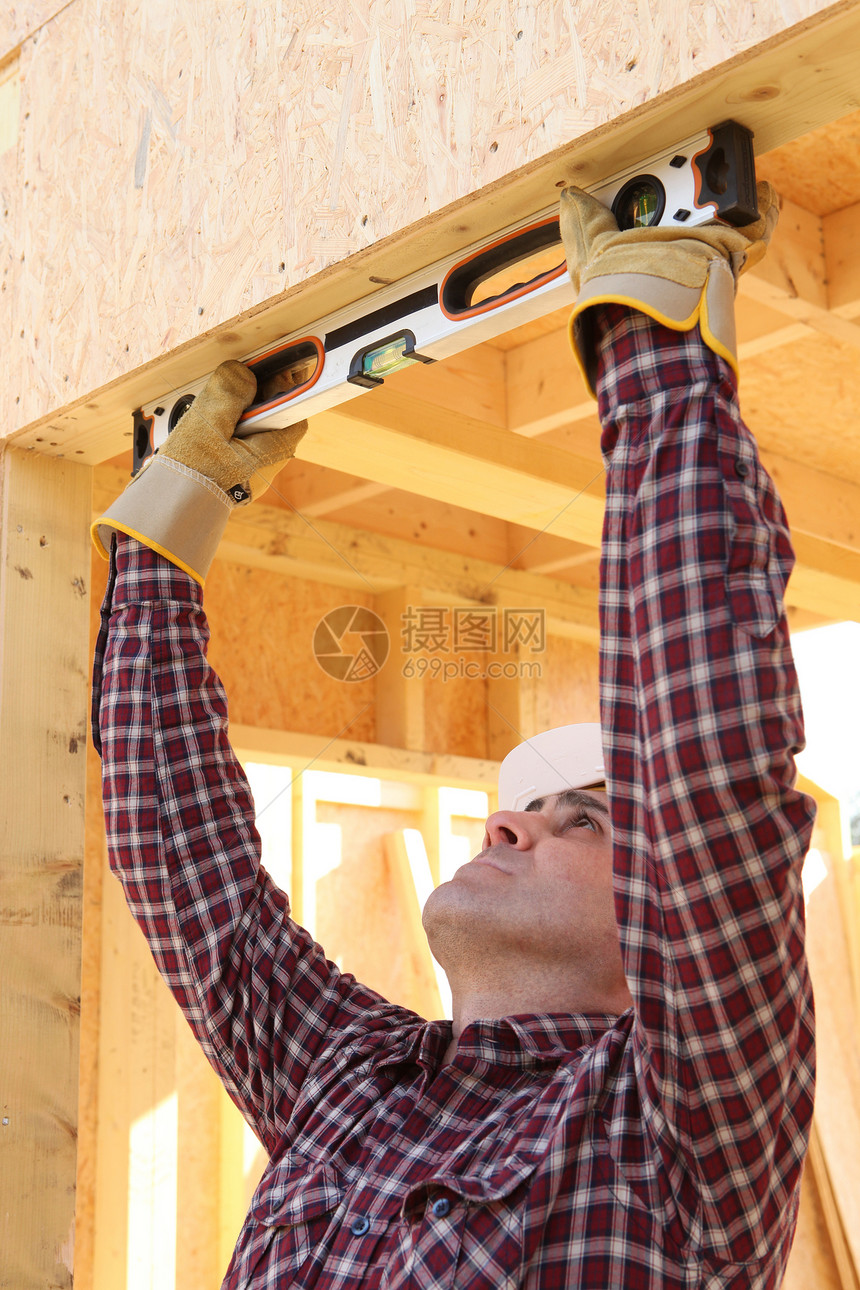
(680,277)
(181,500)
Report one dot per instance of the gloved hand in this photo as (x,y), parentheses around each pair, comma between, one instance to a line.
(181,500)
(680,277)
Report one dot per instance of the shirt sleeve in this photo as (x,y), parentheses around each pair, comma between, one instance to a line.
(701,718)
(256,989)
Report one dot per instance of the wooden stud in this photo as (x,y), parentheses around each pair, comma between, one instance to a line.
(842,261)
(410,874)
(840,1247)
(511,700)
(430,829)
(44,564)
(835,1155)
(138,1108)
(399,695)
(288,748)
(232,1201)
(198,1163)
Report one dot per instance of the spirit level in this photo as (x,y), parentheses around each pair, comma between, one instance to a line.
(473,296)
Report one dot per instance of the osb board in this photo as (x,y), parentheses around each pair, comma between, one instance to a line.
(455,705)
(262,646)
(18,22)
(567,691)
(801,402)
(211,158)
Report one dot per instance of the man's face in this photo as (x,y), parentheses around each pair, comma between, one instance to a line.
(539,893)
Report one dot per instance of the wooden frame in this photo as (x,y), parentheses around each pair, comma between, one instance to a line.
(794,82)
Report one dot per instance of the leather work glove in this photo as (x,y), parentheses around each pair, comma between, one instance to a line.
(181,500)
(680,277)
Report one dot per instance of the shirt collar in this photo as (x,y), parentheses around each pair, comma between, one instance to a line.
(542,1039)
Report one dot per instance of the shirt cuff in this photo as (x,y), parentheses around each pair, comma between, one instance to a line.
(639,358)
(143,575)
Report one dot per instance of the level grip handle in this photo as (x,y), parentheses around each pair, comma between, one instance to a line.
(460,283)
(282,374)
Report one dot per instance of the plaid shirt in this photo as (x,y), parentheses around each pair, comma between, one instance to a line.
(661,1148)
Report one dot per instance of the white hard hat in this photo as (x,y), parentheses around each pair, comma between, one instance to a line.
(548,763)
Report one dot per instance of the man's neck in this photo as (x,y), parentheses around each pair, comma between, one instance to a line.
(544,993)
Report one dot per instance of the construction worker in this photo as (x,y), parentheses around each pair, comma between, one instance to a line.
(623,1097)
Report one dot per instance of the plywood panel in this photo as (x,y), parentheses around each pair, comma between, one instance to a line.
(19,22)
(262,646)
(212,158)
(800,402)
(456,704)
(568,689)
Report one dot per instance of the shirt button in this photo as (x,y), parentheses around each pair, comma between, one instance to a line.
(742,468)
(359,1226)
(441,1207)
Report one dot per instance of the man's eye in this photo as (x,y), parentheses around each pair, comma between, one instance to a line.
(581,821)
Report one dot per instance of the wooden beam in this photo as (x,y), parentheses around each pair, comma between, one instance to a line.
(479,466)
(545,391)
(410,766)
(44,669)
(819,505)
(409,869)
(782,88)
(269,537)
(793,276)
(344,557)
(399,697)
(364,492)
(470,384)
(826,579)
(842,260)
(468,463)
(563,562)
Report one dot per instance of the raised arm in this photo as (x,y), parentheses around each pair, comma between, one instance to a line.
(258,992)
(701,719)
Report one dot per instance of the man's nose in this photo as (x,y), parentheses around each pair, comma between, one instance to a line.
(515,828)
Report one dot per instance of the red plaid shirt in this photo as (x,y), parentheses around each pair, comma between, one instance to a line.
(658,1149)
